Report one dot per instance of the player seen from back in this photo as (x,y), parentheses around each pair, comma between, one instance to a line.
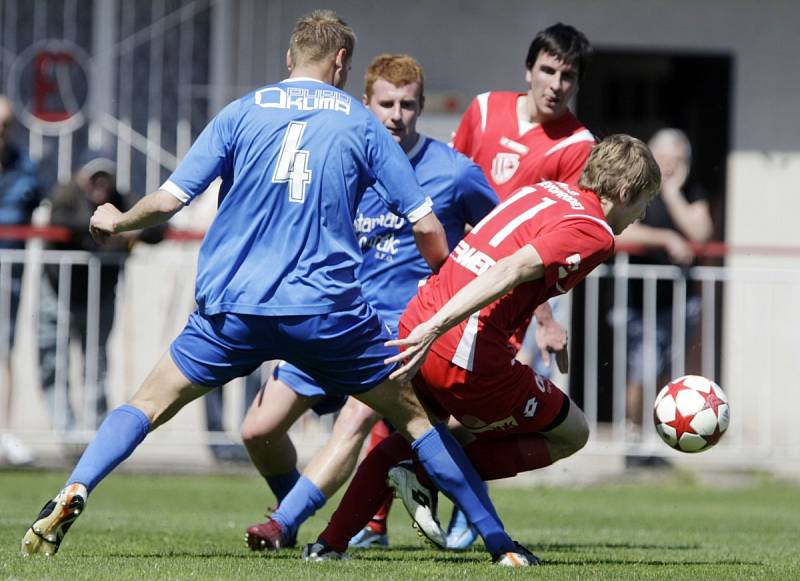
(540,242)
(277,270)
(390,274)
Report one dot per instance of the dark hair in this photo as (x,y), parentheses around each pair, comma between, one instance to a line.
(563,41)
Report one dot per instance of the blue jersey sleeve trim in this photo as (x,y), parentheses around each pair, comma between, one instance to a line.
(421,211)
(174,189)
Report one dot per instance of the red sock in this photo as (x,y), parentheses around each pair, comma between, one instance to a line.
(378,433)
(506,457)
(367,491)
(378,522)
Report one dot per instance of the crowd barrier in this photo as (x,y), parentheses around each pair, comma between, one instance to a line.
(155,296)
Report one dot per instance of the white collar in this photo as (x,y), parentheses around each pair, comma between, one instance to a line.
(421,139)
(294,79)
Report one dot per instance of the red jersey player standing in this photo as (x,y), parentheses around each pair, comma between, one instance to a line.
(519,139)
(525,138)
(540,242)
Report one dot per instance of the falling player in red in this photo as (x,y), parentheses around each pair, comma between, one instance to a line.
(540,242)
(525,138)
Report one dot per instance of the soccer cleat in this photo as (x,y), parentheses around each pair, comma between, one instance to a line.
(420,502)
(519,557)
(317,552)
(48,530)
(368,538)
(460,533)
(268,536)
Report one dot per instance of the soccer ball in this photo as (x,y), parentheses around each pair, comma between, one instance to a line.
(691,413)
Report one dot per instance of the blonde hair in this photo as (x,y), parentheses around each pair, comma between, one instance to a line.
(398,69)
(319,35)
(621,161)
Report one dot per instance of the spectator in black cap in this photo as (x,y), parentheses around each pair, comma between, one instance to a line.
(91,316)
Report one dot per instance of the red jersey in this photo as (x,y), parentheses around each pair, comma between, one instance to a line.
(567,228)
(512,155)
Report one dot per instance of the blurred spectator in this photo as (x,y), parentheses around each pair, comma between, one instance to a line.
(20,193)
(677,218)
(89,321)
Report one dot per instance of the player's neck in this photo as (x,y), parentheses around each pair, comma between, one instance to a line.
(410,142)
(321,72)
(528,114)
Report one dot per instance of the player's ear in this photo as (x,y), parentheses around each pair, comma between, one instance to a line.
(289,62)
(341,58)
(528,75)
(624,194)
(365,100)
(421,101)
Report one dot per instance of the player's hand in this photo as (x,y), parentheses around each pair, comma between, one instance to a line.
(415,348)
(551,337)
(101,226)
(672,182)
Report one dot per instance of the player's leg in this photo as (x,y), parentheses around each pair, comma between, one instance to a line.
(375,533)
(356,367)
(329,468)
(443,460)
(265,434)
(335,462)
(208,352)
(163,393)
(460,532)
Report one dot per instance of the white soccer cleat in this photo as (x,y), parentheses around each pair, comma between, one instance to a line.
(420,502)
(48,530)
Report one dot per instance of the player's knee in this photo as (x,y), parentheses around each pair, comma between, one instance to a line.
(570,436)
(580,431)
(355,421)
(257,433)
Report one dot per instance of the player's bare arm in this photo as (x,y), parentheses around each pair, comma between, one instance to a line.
(155,208)
(431,241)
(678,248)
(522,266)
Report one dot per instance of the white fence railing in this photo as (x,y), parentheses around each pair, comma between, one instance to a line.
(155,294)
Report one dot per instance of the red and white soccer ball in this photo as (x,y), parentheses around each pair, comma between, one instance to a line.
(691,413)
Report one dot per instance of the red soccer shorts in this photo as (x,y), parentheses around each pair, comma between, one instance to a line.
(510,400)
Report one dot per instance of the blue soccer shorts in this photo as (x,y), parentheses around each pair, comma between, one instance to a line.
(342,351)
(304,385)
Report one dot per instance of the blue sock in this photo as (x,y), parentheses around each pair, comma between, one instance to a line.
(281,484)
(297,506)
(450,469)
(459,520)
(118,435)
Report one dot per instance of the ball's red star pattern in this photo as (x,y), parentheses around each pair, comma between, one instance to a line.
(713,402)
(681,423)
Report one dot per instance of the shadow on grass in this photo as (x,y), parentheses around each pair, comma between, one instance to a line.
(584,546)
(655,563)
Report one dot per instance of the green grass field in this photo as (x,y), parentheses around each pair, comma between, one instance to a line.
(178,527)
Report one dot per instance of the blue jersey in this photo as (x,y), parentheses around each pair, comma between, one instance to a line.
(295,159)
(392,266)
